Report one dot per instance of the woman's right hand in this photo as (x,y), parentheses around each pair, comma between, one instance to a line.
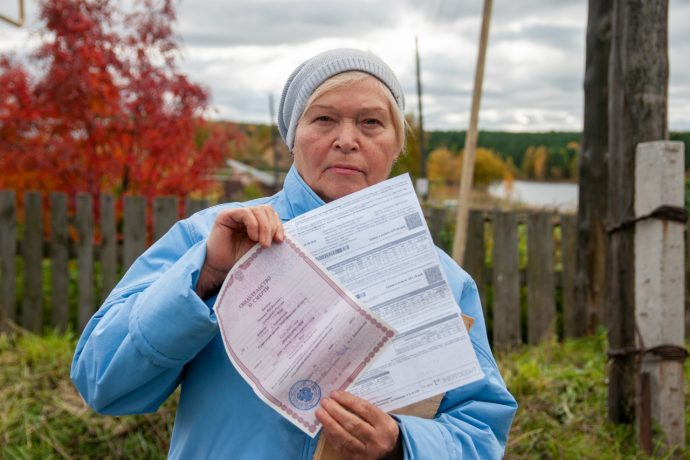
(234,232)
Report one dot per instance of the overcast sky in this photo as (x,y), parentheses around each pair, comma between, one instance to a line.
(242,51)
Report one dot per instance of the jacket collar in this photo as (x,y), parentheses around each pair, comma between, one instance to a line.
(299,196)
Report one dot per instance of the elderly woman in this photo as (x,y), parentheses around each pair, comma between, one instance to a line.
(341,115)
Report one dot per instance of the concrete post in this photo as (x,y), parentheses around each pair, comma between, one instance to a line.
(659,291)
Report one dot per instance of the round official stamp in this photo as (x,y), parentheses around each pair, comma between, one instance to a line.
(305,394)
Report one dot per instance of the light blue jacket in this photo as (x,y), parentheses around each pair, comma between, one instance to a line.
(154,333)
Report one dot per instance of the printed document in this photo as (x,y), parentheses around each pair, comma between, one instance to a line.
(375,242)
(293,332)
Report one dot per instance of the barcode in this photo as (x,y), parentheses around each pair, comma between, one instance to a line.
(328,254)
(433,275)
(413,221)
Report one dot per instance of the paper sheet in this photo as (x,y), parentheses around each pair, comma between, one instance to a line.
(375,243)
(293,332)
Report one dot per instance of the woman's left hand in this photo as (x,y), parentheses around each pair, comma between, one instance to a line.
(358,429)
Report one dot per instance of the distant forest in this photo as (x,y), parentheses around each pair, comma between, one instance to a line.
(533,155)
(562,146)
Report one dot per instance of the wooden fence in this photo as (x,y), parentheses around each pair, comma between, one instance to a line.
(38,282)
(523,264)
(60,281)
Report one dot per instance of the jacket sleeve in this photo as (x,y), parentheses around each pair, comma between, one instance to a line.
(472,421)
(131,354)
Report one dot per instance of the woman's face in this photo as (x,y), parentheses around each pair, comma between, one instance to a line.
(346,140)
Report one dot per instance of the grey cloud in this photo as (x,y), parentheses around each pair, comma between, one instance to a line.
(241,104)
(448,11)
(279,23)
(561,37)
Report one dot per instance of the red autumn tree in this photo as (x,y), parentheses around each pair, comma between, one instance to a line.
(106,108)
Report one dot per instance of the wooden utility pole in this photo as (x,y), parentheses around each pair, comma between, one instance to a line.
(460,238)
(638,89)
(271,110)
(590,259)
(422,180)
(16,22)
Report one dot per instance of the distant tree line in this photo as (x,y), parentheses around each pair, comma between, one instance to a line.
(543,156)
(501,155)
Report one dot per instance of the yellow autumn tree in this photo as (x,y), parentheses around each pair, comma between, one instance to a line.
(535,162)
(443,167)
(409,161)
(488,167)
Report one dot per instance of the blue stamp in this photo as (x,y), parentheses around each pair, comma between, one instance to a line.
(305,394)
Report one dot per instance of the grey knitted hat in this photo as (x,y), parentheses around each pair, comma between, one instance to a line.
(313,72)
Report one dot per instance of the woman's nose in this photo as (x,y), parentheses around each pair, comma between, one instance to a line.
(347,137)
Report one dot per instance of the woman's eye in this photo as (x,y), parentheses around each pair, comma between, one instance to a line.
(372,122)
(323,118)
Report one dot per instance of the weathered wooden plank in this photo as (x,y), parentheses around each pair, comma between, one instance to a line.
(574,313)
(59,253)
(590,277)
(475,254)
(8,264)
(108,250)
(506,282)
(687,282)
(32,305)
(134,227)
(84,246)
(541,302)
(638,112)
(436,218)
(193,205)
(164,215)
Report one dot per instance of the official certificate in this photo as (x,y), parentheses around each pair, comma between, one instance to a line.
(375,242)
(293,332)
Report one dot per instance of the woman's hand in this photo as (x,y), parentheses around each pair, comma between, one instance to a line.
(357,429)
(233,233)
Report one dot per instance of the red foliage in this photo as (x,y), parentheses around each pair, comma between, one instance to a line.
(109,112)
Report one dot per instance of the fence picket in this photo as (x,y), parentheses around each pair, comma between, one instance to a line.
(84,221)
(687,283)
(475,254)
(134,229)
(506,282)
(8,261)
(435,218)
(108,252)
(574,315)
(164,215)
(193,205)
(541,314)
(59,255)
(32,306)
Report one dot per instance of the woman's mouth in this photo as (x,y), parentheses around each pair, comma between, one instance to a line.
(345,169)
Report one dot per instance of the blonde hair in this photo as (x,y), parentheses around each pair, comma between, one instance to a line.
(354,76)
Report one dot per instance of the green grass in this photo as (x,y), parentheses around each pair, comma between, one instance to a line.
(43,417)
(560,387)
